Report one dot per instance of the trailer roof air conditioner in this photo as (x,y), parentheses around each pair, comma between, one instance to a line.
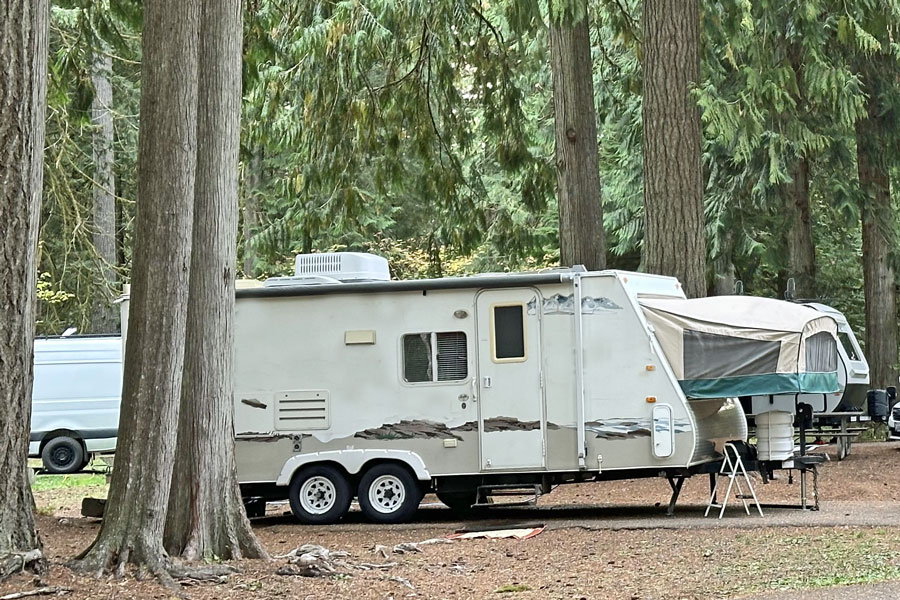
(335,267)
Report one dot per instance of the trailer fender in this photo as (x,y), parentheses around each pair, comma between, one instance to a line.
(353,461)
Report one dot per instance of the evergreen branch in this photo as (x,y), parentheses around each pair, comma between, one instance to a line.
(423,44)
(497,35)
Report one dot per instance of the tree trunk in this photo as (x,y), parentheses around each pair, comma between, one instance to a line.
(878,235)
(674,223)
(104,315)
(251,212)
(132,529)
(23,93)
(206,516)
(581,236)
(800,248)
(723,266)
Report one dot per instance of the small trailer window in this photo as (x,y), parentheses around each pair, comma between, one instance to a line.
(509,332)
(432,357)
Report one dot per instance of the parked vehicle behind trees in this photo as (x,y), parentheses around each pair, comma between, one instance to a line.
(75,402)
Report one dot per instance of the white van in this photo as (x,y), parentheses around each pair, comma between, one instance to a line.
(75,402)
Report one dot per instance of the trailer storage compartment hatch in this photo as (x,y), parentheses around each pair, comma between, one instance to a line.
(727,346)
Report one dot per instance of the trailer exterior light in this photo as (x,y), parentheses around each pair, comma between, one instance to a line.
(651,399)
(650,367)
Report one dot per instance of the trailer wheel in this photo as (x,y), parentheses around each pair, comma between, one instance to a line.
(458,501)
(388,493)
(319,495)
(62,455)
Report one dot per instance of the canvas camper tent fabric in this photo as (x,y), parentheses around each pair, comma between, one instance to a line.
(726,346)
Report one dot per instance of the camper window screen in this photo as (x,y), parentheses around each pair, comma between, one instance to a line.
(821,353)
(430,357)
(509,332)
(710,356)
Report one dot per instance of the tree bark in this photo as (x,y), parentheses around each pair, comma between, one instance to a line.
(206,516)
(132,529)
(23,94)
(581,236)
(251,212)
(800,248)
(104,315)
(674,223)
(878,237)
(723,267)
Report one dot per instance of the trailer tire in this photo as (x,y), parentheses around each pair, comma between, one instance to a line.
(388,493)
(62,455)
(460,502)
(319,495)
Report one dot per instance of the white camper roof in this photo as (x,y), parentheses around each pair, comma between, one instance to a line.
(740,312)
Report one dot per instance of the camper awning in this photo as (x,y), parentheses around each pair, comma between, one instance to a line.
(726,346)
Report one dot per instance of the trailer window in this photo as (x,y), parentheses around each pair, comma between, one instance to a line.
(509,332)
(433,357)
(848,345)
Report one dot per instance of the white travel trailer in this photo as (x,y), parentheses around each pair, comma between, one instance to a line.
(75,400)
(475,386)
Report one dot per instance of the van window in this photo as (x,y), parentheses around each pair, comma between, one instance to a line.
(509,332)
(433,356)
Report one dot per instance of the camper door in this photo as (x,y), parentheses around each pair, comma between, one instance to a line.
(511,420)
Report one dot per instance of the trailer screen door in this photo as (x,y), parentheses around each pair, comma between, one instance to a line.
(511,409)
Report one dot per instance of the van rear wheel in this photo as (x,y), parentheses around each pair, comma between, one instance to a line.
(319,495)
(62,455)
(388,493)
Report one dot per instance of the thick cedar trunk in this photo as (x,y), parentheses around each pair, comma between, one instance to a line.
(581,236)
(23,92)
(878,273)
(800,249)
(206,516)
(132,529)
(674,224)
(251,213)
(104,315)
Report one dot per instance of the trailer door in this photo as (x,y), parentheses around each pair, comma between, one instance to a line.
(511,418)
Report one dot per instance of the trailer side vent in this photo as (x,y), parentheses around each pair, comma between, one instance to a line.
(302,410)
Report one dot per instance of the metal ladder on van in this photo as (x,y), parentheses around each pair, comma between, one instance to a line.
(733,469)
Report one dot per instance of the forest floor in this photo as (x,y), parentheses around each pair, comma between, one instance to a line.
(607,540)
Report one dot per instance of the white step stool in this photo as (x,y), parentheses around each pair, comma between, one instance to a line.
(731,468)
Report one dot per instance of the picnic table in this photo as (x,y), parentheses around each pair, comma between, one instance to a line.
(824,426)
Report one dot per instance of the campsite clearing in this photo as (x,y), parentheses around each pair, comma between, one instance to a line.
(577,556)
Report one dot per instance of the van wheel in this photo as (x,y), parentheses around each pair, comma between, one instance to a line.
(319,495)
(62,455)
(389,494)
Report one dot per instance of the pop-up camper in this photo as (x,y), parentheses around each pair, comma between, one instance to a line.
(356,386)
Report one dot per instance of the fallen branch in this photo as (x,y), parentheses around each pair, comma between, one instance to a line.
(399,580)
(216,573)
(14,563)
(44,591)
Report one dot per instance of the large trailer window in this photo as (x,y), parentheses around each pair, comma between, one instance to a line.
(508,332)
(432,357)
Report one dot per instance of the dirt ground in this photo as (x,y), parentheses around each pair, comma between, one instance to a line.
(564,561)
